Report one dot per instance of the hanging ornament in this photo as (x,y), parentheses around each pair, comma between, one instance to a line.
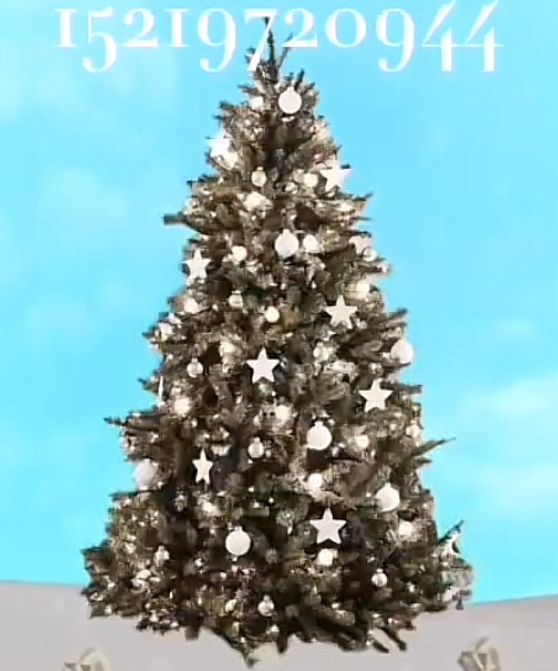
(326,557)
(290,101)
(379,579)
(236,301)
(145,474)
(239,253)
(255,201)
(361,243)
(375,396)
(323,352)
(161,556)
(259,178)
(182,405)
(203,466)
(165,330)
(272,315)
(262,367)
(221,149)
(319,437)
(387,498)
(197,265)
(257,103)
(359,290)
(282,413)
(335,175)
(310,244)
(405,530)
(311,180)
(403,351)
(238,542)
(190,306)
(314,483)
(286,244)
(266,606)
(362,441)
(328,528)
(256,449)
(341,313)
(194,368)
(415,432)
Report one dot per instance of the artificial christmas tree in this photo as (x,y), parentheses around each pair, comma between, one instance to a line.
(278,489)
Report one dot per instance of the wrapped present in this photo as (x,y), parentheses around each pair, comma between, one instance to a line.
(483,657)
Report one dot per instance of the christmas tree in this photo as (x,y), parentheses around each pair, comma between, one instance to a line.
(278,490)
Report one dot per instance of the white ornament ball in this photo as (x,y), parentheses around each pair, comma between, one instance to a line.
(238,542)
(388,498)
(255,201)
(194,368)
(161,556)
(379,579)
(286,244)
(190,305)
(362,441)
(182,405)
(311,180)
(272,315)
(403,351)
(239,253)
(405,530)
(310,244)
(282,413)
(259,178)
(257,102)
(315,482)
(266,606)
(236,300)
(414,431)
(290,101)
(145,474)
(326,557)
(319,437)
(256,449)
(323,352)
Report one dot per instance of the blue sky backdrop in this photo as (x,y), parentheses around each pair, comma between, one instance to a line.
(464,168)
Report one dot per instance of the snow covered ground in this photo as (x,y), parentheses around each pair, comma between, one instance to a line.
(43,627)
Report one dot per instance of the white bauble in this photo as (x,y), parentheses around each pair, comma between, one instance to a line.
(161,556)
(405,530)
(315,482)
(236,300)
(190,305)
(194,368)
(319,437)
(286,244)
(414,431)
(326,557)
(311,180)
(362,441)
(323,352)
(266,606)
(239,253)
(272,315)
(290,101)
(182,405)
(256,449)
(282,413)
(387,498)
(379,579)
(238,542)
(403,351)
(257,102)
(255,201)
(310,244)
(259,178)
(145,474)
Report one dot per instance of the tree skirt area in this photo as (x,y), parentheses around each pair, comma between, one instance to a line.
(47,628)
